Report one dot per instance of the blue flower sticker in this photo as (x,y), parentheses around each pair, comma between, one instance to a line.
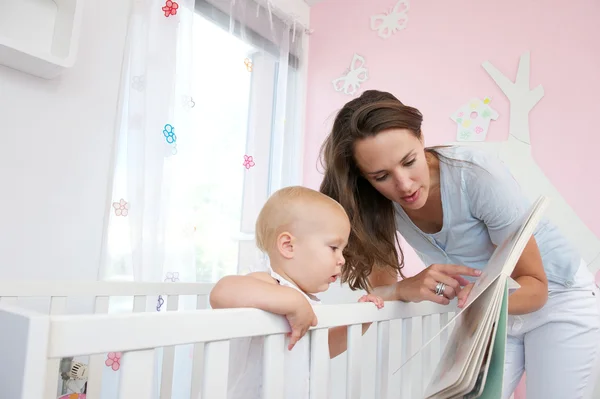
(169,133)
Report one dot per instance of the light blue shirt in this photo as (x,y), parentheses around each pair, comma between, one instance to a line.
(482,205)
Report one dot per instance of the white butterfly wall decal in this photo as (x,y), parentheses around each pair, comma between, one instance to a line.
(391,21)
(353,78)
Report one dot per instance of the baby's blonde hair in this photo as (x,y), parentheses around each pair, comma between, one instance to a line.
(285,207)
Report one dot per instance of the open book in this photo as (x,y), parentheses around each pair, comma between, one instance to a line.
(472,364)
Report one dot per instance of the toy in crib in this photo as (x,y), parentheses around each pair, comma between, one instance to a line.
(73,396)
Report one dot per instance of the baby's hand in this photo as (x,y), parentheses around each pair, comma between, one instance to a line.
(372,298)
(301,319)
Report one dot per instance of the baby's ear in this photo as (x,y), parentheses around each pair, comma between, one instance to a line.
(285,245)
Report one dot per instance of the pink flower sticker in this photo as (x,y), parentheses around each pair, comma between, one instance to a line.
(248,161)
(113,360)
(121,207)
(170,8)
(478,130)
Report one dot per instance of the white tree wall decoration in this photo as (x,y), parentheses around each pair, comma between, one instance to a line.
(516,153)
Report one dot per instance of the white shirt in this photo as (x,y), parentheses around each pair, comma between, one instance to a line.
(246,363)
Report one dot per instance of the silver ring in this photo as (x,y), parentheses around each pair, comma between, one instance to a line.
(439,289)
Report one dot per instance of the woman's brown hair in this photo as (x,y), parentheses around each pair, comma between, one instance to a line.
(373,240)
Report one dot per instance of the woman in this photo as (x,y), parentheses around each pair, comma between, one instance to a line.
(454,205)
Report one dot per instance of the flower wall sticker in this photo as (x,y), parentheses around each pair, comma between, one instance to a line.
(392,21)
(113,360)
(248,161)
(170,8)
(356,75)
(121,207)
(248,63)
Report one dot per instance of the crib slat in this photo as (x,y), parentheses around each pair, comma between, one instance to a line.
(405,372)
(382,370)
(216,366)
(168,363)
(354,362)
(197,370)
(417,369)
(427,353)
(444,334)
(137,374)
(202,301)
(273,366)
(94,383)
(319,364)
(198,354)
(435,344)
(58,306)
(139,303)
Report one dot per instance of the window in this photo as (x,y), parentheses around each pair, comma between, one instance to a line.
(237,80)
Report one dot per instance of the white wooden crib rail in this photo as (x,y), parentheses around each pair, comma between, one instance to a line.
(42,339)
(55,295)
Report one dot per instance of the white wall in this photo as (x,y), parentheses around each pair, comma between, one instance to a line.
(56,138)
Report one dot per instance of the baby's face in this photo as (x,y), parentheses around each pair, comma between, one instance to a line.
(319,251)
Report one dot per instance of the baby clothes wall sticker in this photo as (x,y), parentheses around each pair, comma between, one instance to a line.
(353,76)
(392,21)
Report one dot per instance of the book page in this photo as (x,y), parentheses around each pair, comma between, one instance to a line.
(461,343)
(505,257)
(493,382)
(502,261)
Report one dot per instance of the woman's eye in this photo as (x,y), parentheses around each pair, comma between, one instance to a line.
(333,248)
(412,161)
(381,178)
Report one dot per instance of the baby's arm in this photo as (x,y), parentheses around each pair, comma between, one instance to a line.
(338,336)
(261,291)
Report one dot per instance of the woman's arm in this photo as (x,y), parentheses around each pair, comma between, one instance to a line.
(421,287)
(529,273)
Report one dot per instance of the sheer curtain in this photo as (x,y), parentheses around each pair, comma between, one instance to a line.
(208,128)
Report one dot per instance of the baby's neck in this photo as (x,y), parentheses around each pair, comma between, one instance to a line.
(276,267)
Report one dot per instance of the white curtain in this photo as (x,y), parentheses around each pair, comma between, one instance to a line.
(208,128)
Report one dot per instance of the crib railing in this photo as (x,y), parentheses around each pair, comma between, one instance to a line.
(35,342)
(55,294)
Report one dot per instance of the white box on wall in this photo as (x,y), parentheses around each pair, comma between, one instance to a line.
(40,37)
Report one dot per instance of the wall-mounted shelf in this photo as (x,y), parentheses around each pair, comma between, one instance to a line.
(40,37)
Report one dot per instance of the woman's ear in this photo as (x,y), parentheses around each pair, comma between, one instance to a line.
(285,245)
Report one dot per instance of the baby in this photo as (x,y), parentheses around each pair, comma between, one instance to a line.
(304,234)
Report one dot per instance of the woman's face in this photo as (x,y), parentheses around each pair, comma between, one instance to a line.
(394,162)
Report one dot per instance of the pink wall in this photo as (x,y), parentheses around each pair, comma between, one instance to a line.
(435,65)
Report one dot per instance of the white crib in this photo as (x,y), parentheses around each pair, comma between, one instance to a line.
(34,342)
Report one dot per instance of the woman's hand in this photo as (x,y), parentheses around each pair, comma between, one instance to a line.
(422,287)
